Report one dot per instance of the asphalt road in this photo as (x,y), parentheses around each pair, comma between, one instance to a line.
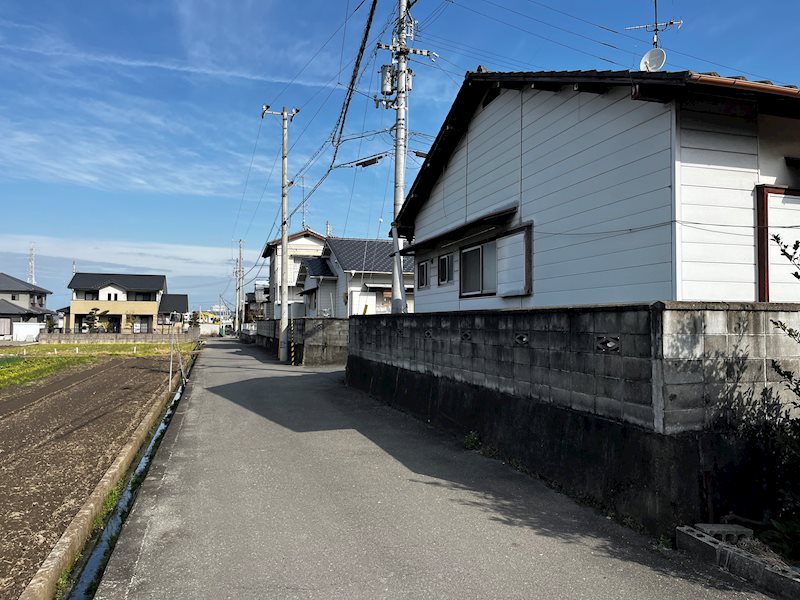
(279,482)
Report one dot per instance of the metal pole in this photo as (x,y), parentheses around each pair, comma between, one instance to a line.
(398,289)
(169,383)
(283,350)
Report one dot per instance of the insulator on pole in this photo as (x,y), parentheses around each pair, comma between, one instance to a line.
(409,80)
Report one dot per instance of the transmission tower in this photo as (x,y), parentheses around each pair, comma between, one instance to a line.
(32,265)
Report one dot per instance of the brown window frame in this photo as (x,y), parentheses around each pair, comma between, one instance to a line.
(762,234)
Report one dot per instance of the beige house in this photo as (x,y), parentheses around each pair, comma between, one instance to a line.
(124,303)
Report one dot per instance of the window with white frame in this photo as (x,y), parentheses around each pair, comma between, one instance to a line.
(478,265)
(446,269)
(423,279)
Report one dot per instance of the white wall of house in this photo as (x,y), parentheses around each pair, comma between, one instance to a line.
(113,293)
(584,169)
(720,161)
(717,163)
(298,250)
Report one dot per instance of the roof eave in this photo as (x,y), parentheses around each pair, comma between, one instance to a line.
(659,87)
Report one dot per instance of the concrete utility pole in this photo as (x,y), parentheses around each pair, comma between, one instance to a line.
(239,317)
(283,334)
(397,78)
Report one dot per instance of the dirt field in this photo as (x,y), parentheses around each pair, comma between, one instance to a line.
(57,438)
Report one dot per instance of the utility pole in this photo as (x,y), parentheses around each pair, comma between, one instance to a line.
(396,78)
(283,334)
(239,292)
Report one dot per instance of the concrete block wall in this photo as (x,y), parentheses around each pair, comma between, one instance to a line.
(317,341)
(594,359)
(715,353)
(661,366)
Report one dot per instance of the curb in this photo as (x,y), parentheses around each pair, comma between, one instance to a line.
(71,543)
(773,578)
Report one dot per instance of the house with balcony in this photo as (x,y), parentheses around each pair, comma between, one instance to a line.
(123,303)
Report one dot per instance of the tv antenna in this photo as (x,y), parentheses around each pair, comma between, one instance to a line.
(655,26)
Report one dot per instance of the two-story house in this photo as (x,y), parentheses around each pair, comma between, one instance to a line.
(303,244)
(124,303)
(21,302)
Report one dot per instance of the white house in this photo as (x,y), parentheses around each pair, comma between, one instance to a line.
(587,187)
(352,277)
(303,244)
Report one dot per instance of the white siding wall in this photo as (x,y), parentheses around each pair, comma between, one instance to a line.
(298,249)
(718,162)
(110,289)
(722,159)
(584,168)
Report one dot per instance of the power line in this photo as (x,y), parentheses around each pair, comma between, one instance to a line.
(247,178)
(285,87)
(481,53)
(540,36)
(263,191)
(338,129)
(639,41)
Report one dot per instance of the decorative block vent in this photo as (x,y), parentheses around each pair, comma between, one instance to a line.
(607,344)
(428,334)
(466,336)
(521,339)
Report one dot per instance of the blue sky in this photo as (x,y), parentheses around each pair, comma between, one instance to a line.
(128,128)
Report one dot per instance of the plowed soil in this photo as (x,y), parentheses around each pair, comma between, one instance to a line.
(57,439)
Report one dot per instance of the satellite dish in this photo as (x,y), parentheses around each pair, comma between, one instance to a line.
(653,60)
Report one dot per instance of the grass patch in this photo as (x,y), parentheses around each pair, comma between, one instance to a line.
(63,583)
(109,502)
(150,349)
(472,441)
(19,370)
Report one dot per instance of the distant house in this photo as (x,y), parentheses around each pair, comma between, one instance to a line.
(303,244)
(125,303)
(352,277)
(172,310)
(21,302)
(587,187)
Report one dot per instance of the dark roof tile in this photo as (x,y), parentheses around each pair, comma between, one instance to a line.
(128,282)
(12,284)
(318,267)
(368,256)
(173,303)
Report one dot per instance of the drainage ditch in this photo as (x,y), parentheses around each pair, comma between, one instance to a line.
(89,569)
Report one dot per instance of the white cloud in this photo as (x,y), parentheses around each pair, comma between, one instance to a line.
(163,65)
(132,256)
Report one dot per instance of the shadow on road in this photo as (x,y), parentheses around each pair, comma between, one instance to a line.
(306,400)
